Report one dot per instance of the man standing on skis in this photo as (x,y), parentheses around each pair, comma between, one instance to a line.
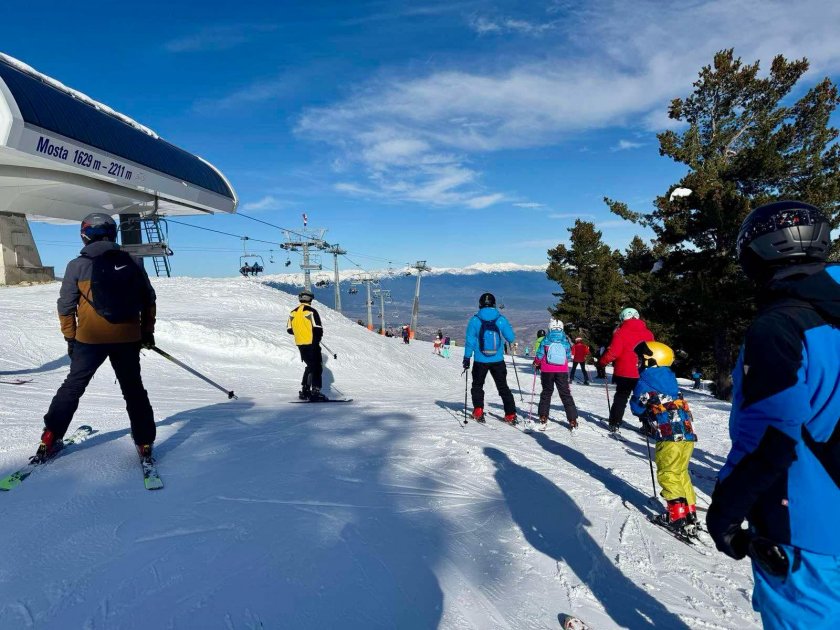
(305,324)
(783,472)
(579,353)
(630,333)
(486,333)
(106,308)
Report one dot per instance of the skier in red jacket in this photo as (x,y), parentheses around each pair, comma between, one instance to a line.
(630,333)
(579,353)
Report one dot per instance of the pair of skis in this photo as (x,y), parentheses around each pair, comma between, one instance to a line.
(151,478)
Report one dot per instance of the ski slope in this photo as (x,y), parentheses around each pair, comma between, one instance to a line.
(382,513)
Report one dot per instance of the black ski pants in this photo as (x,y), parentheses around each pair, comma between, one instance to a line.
(498,371)
(623,389)
(582,369)
(311,355)
(560,380)
(86,359)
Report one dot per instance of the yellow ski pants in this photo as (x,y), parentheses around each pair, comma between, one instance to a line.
(672,470)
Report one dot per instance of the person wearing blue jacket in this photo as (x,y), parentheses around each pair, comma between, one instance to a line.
(782,474)
(487,332)
(658,403)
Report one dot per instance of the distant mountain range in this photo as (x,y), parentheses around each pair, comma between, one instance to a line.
(448,297)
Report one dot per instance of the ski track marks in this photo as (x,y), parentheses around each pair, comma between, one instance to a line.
(379,514)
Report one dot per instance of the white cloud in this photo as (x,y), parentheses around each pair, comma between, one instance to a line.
(611,64)
(485,25)
(217,37)
(529,204)
(624,145)
(269,202)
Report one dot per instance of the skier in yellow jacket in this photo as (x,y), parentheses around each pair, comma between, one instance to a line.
(305,324)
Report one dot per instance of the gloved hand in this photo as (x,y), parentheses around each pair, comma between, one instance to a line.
(466,364)
(71,345)
(537,364)
(729,537)
(147,340)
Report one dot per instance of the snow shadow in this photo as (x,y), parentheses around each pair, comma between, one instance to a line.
(554,525)
(49,366)
(289,516)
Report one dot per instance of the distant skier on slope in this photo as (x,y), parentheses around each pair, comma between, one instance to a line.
(540,335)
(106,307)
(305,324)
(630,333)
(579,353)
(445,349)
(666,417)
(552,359)
(783,472)
(486,333)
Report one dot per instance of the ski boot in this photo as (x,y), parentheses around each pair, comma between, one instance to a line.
(316,395)
(573,423)
(543,422)
(692,525)
(478,414)
(304,393)
(614,427)
(510,418)
(676,517)
(144,451)
(50,445)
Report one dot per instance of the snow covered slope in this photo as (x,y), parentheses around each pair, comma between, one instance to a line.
(382,513)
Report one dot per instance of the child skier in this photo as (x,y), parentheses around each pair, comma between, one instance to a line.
(552,359)
(540,335)
(657,401)
(696,375)
(447,344)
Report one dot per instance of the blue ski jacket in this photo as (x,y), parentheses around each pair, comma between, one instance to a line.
(783,472)
(655,379)
(471,344)
(672,420)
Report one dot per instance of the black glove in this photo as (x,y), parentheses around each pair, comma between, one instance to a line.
(729,537)
(466,364)
(71,345)
(147,340)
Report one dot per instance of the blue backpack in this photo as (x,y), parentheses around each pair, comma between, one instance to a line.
(489,337)
(555,353)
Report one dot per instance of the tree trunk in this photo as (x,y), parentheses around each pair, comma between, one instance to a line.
(723,366)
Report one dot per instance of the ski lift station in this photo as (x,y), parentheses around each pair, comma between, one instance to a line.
(64,155)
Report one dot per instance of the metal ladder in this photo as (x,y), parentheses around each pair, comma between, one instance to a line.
(154,234)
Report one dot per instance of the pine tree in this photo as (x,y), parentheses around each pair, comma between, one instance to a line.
(743,147)
(593,290)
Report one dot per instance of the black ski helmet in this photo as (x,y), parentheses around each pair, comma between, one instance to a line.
(306,296)
(779,234)
(487,299)
(540,333)
(98,226)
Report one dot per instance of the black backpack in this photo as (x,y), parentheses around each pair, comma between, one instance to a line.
(489,337)
(118,287)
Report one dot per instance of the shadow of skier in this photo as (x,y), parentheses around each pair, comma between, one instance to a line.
(554,525)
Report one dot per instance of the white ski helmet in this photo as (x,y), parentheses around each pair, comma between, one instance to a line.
(628,313)
(555,324)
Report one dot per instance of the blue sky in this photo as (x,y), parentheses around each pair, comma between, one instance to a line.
(455,132)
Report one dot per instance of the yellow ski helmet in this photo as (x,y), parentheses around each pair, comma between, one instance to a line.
(654,354)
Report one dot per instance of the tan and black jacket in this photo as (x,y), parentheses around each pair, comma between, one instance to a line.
(78,318)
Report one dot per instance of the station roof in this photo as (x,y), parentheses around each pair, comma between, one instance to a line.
(79,118)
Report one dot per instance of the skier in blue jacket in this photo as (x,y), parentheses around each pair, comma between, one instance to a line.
(486,335)
(783,472)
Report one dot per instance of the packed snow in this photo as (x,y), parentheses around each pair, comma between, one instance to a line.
(380,513)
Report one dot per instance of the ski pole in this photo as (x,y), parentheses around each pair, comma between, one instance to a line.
(533,389)
(327,348)
(650,461)
(518,386)
(607,388)
(466,386)
(166,355)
